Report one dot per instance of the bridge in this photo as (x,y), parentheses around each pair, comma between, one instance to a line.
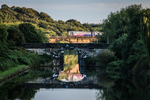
(73,39)
(63,45)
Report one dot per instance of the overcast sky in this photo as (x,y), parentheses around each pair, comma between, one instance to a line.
(85,11)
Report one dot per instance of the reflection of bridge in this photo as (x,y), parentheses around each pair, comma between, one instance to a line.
(89,82)
(59,45)
(65,85)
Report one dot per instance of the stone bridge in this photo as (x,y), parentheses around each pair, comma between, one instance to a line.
(70,45)
(73,39)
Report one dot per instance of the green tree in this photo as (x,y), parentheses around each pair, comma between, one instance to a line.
(146,30)
(5,17)
(61,22)
(31,34)
(4,6)
(46,17)
(15,37)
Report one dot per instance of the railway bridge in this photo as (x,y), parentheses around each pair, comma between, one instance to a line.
(73,39)
(65,45)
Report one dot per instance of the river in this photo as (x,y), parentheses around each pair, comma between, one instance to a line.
(70,84)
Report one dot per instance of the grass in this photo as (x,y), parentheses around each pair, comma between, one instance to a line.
(11,70)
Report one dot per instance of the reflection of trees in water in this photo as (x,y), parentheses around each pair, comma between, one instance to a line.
(12,89)
(22,93)
(44,73)
(103,79)
(120,89)
(123,90)
(11,92)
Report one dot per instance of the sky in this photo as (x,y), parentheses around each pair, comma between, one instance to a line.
(85,11)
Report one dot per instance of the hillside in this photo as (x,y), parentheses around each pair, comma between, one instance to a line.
(50,27)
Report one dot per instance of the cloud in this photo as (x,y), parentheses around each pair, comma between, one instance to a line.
(101,4)
(91,7)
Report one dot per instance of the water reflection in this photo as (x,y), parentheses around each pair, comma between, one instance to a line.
(123,91)
(66,94)
(71,72)
(12,89)
(72,75)
(40,84)
(25,88)
(32,86)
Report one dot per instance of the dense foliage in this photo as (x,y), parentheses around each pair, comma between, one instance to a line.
(128,32)
(125,29)
(11,37)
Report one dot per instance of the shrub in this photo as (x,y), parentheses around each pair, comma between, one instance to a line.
(6,63)
(105,57)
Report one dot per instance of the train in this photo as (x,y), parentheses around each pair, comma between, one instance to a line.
(83,33)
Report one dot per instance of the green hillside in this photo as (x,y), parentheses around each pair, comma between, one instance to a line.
(42,20)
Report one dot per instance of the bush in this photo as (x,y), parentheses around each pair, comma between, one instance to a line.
(105,57)
(6,63)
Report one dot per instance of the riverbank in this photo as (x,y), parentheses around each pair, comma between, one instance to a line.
(13,71)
